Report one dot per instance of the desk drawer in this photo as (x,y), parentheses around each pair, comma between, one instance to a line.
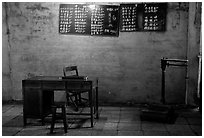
(79,85)
(53,85)
(31,84)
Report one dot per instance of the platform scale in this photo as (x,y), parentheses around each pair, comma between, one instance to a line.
(163,112)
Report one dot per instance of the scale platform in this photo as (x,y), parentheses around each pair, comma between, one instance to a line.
(159,113)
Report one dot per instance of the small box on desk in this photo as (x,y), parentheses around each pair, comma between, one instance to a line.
(159,113)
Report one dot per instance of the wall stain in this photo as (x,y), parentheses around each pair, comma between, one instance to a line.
(176,20)
(179,6)
(9,43)
(14,10)
(197,20)
(29,37)
(40,22)
(38,7)
(135,88)
(154,39)
(184,6)
(29,58)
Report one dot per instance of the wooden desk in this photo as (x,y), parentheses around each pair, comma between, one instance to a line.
(38,95)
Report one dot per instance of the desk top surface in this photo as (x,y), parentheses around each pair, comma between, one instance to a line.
(56,78)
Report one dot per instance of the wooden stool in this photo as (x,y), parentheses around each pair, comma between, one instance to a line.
(57,116)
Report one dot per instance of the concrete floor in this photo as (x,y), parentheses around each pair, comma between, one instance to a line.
(113,121)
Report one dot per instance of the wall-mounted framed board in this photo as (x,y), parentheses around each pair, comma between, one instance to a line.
(143,17)
(74,19)
(154,16)
(100,20)
(128,17)
(105,20)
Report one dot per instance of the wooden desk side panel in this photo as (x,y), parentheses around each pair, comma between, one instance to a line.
(32,102)
(36,101)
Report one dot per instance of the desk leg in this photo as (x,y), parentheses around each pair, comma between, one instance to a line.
(24,116)
(94,101)
(24,120)
(91,107)
(97,103)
